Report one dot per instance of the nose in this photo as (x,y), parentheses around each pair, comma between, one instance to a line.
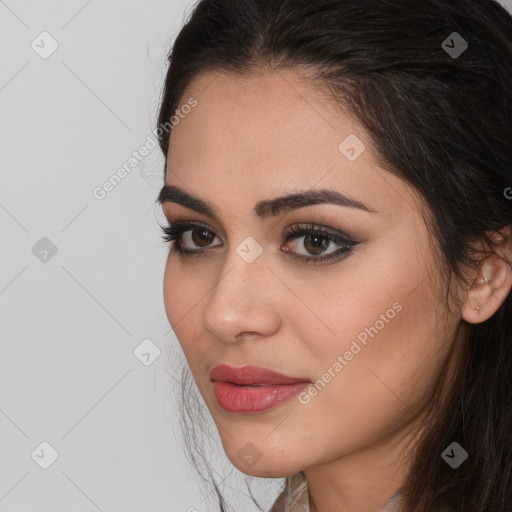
(244,301)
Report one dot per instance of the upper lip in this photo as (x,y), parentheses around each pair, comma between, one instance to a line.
(251,376)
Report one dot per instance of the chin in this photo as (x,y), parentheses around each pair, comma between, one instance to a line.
(266,470)
(265,462)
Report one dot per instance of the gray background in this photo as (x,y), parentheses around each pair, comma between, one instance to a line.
(70,321)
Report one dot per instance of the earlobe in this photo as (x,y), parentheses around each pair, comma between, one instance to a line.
(488,291)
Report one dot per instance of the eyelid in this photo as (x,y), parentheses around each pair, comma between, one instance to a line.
(307,227)
(185,226)
(311,226)
(181,219)
(299,228)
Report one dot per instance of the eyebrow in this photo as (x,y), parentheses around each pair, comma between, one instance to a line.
(267,208)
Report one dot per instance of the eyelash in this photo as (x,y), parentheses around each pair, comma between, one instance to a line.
(174,231)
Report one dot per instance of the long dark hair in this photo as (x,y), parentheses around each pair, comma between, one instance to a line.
(440,117)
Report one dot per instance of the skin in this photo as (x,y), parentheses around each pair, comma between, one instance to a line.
(263,136)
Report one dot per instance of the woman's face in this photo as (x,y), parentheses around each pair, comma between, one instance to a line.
(362,332)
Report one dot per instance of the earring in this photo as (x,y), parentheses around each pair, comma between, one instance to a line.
(477,309)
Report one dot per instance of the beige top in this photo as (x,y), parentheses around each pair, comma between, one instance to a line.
(393,505)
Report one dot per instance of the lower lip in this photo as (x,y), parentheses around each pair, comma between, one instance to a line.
(235,398)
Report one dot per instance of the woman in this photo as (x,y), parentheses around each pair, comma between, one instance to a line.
(337,187)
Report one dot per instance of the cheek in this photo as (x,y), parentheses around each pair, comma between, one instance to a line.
(182,298)
(376,372)
(184,288)
(383,325)
(185,295)
(381,307)
(380,390)
(175,293)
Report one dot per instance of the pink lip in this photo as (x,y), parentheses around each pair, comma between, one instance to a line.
(252,388)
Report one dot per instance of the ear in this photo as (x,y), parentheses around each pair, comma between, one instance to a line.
(491,284)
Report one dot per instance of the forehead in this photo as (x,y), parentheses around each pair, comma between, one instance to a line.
(270,112)
(265,134)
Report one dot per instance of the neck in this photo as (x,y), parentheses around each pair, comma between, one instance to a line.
(362,481)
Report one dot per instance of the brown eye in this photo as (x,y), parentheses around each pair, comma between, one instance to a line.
(196,238)
(316,244)
(202,237)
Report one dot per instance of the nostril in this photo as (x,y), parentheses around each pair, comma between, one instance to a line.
(249,335)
